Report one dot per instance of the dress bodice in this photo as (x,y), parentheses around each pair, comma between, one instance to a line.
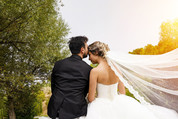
(107,91)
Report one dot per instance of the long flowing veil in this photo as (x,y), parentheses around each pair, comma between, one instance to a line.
(152,79)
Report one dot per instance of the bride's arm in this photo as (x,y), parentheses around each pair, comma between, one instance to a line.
(92,85)
(121,87)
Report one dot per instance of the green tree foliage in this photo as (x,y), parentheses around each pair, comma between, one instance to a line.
(3,109)
(32,38)
(168,40)
(168,36)
(26,108)
(93,65)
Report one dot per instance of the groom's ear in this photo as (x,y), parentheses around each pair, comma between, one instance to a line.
(82,49)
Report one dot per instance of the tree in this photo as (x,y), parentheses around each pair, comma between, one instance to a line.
(32,38)
(168,36)
(137,51)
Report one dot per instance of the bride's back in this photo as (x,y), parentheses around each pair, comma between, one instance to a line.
(106,75)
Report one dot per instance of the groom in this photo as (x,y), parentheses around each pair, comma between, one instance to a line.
(70,82)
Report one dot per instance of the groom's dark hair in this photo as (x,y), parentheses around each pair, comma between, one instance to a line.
(76,43)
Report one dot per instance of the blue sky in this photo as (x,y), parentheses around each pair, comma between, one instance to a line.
(123,24)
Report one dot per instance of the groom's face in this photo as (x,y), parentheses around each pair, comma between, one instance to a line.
(86,51)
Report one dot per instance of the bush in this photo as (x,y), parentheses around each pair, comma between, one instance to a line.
(30,105)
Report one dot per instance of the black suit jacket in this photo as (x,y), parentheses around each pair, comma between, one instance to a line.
(69,84)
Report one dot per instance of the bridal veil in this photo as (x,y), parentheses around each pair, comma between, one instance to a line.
(152,79)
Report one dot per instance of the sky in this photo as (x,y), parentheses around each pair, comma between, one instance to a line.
(123,24)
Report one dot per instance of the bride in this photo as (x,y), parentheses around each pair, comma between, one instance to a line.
(143,76)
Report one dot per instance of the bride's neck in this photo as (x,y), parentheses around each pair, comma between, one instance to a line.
(101,60)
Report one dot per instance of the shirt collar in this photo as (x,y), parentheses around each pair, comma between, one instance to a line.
(77,57)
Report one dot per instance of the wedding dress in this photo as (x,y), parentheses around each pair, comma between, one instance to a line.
(152,79)
(110,105)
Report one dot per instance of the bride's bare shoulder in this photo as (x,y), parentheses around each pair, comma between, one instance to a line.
(98,68)
(95,70)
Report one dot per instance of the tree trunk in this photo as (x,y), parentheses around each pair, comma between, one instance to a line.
(11,109)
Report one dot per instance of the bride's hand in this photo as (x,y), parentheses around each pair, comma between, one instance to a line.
(121,87)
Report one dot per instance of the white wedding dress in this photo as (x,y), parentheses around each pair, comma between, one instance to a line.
(110,105)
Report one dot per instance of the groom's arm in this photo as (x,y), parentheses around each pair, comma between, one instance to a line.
(87,87)
(53,79)
(52,83)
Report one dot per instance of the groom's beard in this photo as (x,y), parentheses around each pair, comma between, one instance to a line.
(85,55)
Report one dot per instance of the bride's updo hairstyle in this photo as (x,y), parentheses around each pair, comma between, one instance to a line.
(98,48)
